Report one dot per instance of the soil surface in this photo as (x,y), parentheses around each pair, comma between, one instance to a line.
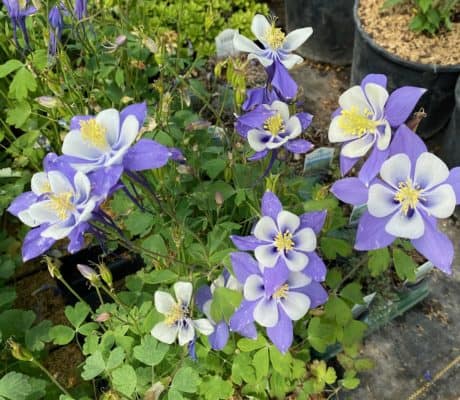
(390,29)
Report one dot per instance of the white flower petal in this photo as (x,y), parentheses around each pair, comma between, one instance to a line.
(266,313)
(86,212)
(259,28)
(354,97)
(43,212)
(203,326)
(242,43)
(165,333)
(59,182)
(287,221)
(296,38)
(40,183)
(406,227)
(186,332)
(377,96)
(383,141)
(358,147)
(58,231)
(232,283)
(110,120)
(440,202)
(217,283)
(381,201)
(258,139)
(207,310)
(82,187)
(290,60)
(298,280)
(164,302)
(295,260)
(276,143)
(305,240)
(129,131)
(266,255)
(253,288)
(336,134)
(430,171)
(296,305)
(396,169)
(25,217)
(281,108)
(262,58)
(293,127)
(265,229)
(75,146)
(183,292)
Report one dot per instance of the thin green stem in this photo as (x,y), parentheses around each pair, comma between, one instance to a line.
(52,378)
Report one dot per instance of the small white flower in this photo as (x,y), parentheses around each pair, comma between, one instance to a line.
(178,322)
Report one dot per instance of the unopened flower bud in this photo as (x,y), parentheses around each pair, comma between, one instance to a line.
(19,352)
(154,392)
(105,274)
(53,267)
(89,274)
(105,316)
(219,198)
(47,101)
(110,395)
(120,40)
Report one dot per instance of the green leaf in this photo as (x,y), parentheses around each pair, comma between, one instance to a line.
(353,332)
(352,292)
(246,345)
(156,244)
(333,278)
(320,334)
(139,223)
(186,380)
(224,303)
(173,394)
(364,364)
(336,309)
(260,362)
(22,83)
(150,351)
(156,277)
(19,114)
(77,314)
(332,247)
(37,336)
(15,386)
(242,369)
(115,359)
(15,322)
(10,66)
(88,328)
(7,297)
(215,388)
(349,380)
(404,265)
(94,365)
(124,380)
(424,5)
(214,167)
(61,334)
(281,363)
(379,261)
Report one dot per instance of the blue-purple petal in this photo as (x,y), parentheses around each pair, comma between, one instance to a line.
(401,103)
(315,291)
(258,155)
(298,146)
(146,154)
(346,164)
(275,277)
(249,331)
(305,119)
(253,119)
(271,205)
(351,191)
(454,181)
(371,234)
(22,202)
(77,238)
(246,243)
(314,220)
(103,180)
(315,269)
(408,142)
(139,110)
(371,166)
(176,154)
(378,79)
(243,316)
(281,80)
(34,244)
(243,266)
(282,333)
(203,294)
(219,338)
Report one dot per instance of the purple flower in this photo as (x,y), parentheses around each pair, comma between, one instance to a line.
(106,140)
(18,11)
(56,23)
(365,120)
(269,127)
(80,9)
(281,237)
(60,205)
(273,297)
(219,338)
(415,188)
(258,96)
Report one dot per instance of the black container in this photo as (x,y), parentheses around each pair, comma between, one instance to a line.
(120,264)
(450,151)
(333,28)
(438,102)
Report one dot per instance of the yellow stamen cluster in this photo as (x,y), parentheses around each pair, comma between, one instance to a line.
(281,292)
(93,133)
(283,241)
(356,123)
(408,195)
(22,4)
(274,37)
(274,124)
(177,313)
(61,203)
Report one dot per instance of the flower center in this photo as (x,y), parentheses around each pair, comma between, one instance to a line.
(274,124)
(356,123)
(61,203)
(22,4)
(94,133)
(45,187)
(274,37)
(281,292)
(283,241)
(177,313)
(408,196)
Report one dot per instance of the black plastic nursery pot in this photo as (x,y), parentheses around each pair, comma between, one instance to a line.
(438,103)
(333,28)
(450,150)
(120,263)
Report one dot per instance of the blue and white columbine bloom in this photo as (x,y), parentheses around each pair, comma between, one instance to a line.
(178,322)
(276,45)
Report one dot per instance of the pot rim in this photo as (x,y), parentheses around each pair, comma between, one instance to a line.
(434,68)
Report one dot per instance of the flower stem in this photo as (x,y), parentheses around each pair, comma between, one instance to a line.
(52,378)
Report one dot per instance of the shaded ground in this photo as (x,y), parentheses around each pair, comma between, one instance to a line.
(413,349)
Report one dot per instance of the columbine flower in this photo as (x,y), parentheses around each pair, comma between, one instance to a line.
(18,10)
(60,205)
(81,9)
(273,297)
(281,237)
(106,140)
(365,120)
(219,338)
(56,23)
(415,188)
(269,127)
(178,321)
